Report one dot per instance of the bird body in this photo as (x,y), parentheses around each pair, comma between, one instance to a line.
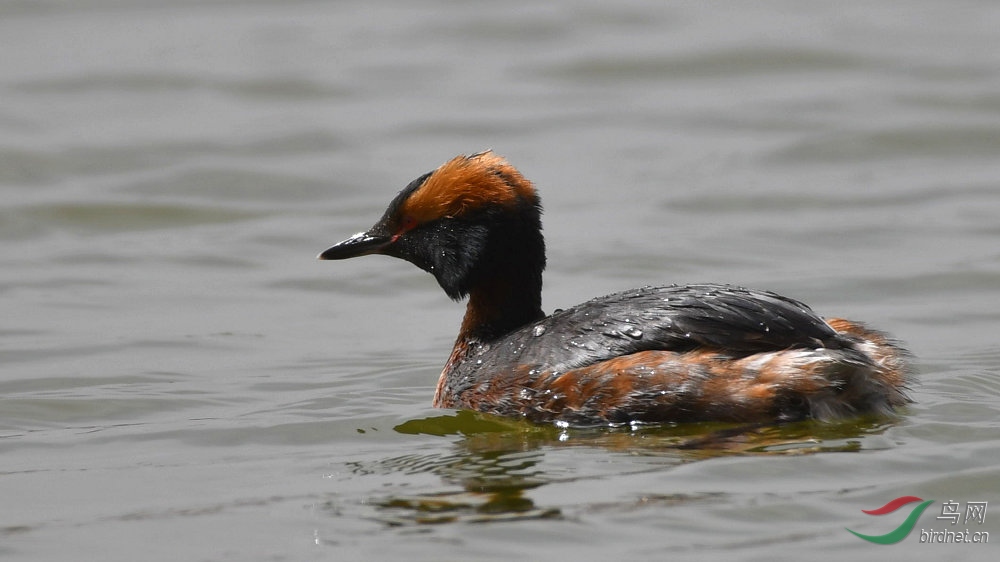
(655,354)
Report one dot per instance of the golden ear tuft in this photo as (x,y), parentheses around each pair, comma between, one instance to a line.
(465,184)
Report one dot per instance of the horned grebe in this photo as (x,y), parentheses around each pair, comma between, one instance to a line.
(655,354)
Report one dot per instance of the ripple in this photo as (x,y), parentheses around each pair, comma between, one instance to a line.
(232,184)
(973,142)
(116,217)
(20,166)
(57,412)
(784,202)
(460,507)
(144,83)
(704,64)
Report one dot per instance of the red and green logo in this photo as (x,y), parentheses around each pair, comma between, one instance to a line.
(899,533)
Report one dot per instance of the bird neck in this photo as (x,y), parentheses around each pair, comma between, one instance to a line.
(504,283)
(500,306)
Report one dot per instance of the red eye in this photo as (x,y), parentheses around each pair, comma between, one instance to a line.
(406,224)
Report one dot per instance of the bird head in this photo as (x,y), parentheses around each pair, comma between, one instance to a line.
(473,219)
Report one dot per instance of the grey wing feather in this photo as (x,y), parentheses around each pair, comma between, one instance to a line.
(675,318)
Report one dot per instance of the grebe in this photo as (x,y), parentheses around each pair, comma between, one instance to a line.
(655,354)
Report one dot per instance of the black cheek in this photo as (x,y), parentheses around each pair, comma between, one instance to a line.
(448,249)
(457,249)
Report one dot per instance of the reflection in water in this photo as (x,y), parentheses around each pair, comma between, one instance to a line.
(496,504)
(498,460)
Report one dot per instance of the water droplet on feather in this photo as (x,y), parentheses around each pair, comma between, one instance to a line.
(632,332)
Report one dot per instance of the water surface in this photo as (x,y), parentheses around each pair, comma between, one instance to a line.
(181,380)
